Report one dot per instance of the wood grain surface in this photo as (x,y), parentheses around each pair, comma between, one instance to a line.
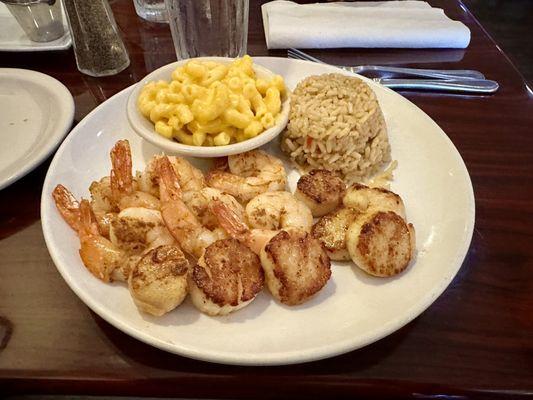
(475,341)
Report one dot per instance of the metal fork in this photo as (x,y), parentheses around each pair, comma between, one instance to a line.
(426,73)
(462,85)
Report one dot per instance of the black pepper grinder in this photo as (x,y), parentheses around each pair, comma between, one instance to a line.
(98,47)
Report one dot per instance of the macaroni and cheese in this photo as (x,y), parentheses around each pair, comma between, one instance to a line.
(213,104)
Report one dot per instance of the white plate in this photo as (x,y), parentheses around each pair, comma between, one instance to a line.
(36,112)
(353,309)
(145,128)
(13,37)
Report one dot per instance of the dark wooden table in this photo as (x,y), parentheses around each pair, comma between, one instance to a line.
(475,341)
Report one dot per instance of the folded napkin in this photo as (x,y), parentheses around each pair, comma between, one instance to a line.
(400,24)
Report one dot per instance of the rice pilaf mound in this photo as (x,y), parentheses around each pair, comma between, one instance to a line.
(336,124)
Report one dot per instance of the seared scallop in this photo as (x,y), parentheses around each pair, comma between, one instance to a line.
(331,231)
(381,243)
(366,199)
(321,191)
(278,210)
(158,283)
(130,227)
(227,277)
(136,230)
(296,266)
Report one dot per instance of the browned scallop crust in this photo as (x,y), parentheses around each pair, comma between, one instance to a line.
(360,186)
(321,186)
(331,231)
(231,273)
(373,197)
(158,264)
(158,282)
(131,233)
(385,245)
(301,266)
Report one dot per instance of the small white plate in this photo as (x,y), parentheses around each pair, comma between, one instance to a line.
(13,38)
(353,310)
(36,111)
(145,128)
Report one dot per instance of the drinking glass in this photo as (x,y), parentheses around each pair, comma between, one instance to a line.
(208,27)
(41,20)
(151,10)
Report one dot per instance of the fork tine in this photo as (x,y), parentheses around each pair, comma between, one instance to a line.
(292,54)
(296,57)
(302,56)
(297,54)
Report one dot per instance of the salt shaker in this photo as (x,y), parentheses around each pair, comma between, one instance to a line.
(98,48)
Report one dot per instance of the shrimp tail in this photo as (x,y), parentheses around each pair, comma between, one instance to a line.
(88,224)
(229,220)
(169,187)
(68,206)
(98,254)
(121,172)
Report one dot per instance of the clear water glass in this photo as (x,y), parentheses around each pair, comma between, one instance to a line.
(151,10)
(208,27)
(41,20)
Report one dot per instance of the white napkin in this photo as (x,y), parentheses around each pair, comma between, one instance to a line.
(400,24)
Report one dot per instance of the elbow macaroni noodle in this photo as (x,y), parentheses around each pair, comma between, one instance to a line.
(212,104)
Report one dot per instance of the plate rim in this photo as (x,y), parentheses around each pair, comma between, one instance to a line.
(65,123)
(282,358)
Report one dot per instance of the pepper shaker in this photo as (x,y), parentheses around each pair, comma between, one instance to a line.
(98,48)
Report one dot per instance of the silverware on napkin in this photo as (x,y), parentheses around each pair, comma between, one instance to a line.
(454,80)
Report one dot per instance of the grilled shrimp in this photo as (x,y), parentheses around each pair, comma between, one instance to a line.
(68,206)
(102,204)
(190,178)
(158,282)
(192,236)
(228,275)
(227,278)
(198,202)
(123,186)
(278,210)
(249,175)
(296,265)
(381,243)
(321,191)
(101,197)
(118,191)
(108,191)
(100,256)
(367,200)
(331,231)
(255,239)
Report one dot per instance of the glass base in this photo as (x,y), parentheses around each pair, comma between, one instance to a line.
(153,14)
(102,73)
